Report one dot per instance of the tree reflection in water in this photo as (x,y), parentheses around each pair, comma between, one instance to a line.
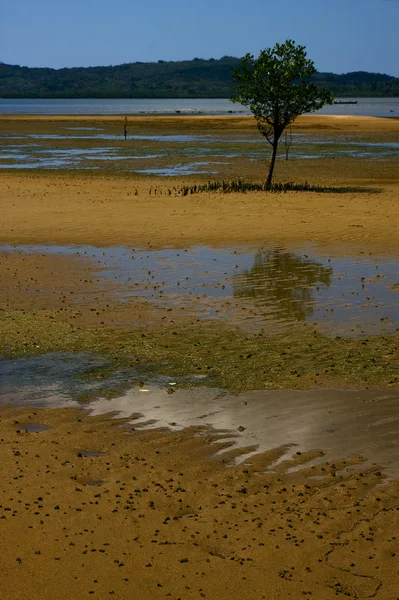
(284,282)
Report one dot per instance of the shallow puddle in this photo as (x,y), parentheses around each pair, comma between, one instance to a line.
(353,425)
(34,427)
(177,170)
(114,137)
(21,151)
(63,378)
(343,424)
(60,379)
(345,296)
(84,128)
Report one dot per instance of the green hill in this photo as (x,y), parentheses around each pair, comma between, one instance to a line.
(196,78)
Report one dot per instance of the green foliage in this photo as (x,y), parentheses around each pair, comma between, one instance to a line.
(187,79)
(359,83)
(277,87)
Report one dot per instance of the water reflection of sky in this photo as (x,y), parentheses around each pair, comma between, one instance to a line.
(344,424)
(353,295)
(32,151)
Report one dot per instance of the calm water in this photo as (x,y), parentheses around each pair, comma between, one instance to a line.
(373,107)
(192,154)
(350,295)
(341,423)
(267,285)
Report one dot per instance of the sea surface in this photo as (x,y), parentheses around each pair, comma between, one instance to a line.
(372,107)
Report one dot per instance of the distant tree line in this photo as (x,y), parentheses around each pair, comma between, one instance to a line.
(197,78)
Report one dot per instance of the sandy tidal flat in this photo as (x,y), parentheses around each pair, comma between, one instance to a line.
(93,507)
(57,209)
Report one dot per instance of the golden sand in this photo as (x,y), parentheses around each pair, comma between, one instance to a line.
(48,209)
(168,518)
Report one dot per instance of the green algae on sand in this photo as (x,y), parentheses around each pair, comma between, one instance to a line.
(235,360)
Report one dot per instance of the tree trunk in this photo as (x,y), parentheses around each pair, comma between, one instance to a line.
(272,161)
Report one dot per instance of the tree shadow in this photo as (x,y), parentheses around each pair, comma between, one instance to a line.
(344,190)
(240,186)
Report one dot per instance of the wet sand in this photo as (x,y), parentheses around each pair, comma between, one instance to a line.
(169,519)
(166,517)
(335,423)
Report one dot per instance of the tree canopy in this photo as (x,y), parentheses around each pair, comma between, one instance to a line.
(277,88)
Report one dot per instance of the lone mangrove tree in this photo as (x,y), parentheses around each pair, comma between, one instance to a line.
(276,88)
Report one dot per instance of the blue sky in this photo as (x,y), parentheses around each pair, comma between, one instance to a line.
(340,35)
